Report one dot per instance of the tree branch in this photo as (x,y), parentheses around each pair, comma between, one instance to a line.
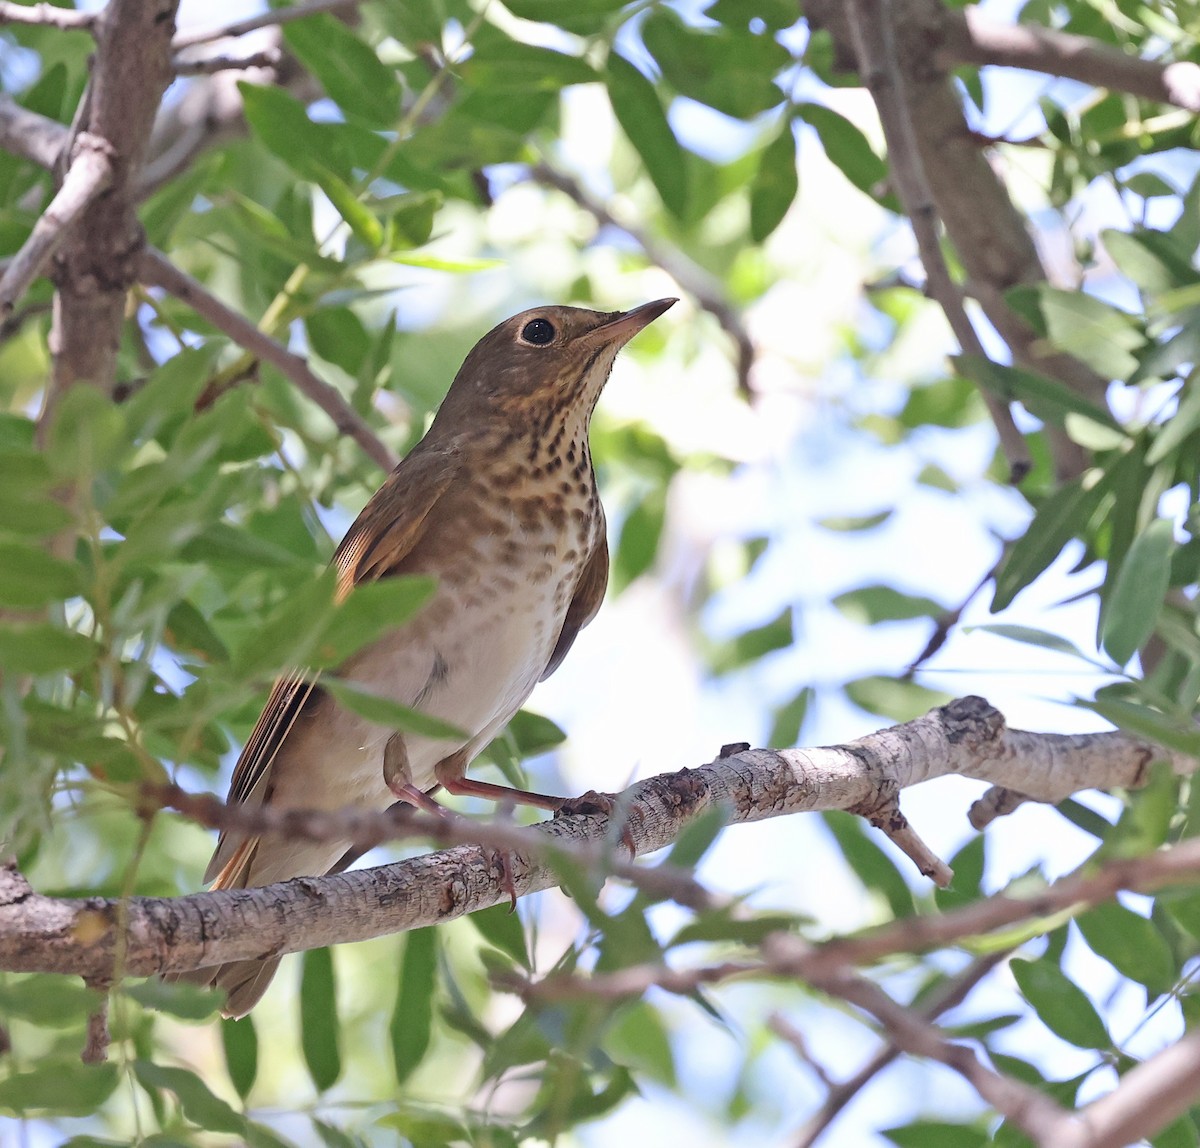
(981,221)
(158,271)
(87,178)
(972,37)
(264,20)
(967,737)
(871,28)
(29,135)
(46,16)
(97,263)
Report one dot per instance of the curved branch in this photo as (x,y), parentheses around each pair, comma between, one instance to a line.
(157,270)
(967,737)
(975,38)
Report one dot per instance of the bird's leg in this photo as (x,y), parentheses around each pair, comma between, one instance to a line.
(450,774)
(398,777)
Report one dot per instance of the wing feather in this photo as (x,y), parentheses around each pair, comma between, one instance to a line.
(375,546)
(585,604)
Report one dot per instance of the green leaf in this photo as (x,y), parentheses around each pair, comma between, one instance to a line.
(697,837)
(31,577)
(371,610)
(637,1039)
(871,865)
(1030,636)
(847,148)
(62,1087)
(87,435)
(789,720)
(188,1002)
(583,17)
(1060,517)
(1060,1004)
(729,70)
(1141,587)
(1154,260)
(289,635)
(893,697)
(938,1134)
(775,184)
(640,534)
(48,1000)
(1046,398)
(320,1030)
(851,523)
(754,644)
(533,733)
(872,605)
(412,1018)
(1180,734)
(501,927)
(199,1104)
(1131,943)
(359,218)
(500,65)
(386,712)
(239,1039)
(640,114)
(1172,434)
(968,865)
(348,69)
(1102,335)
(775,14)
(43,648)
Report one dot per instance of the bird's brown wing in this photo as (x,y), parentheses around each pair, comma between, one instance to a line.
(585,604)
(382,536)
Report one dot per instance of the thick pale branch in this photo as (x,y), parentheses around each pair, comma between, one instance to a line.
(31,136)
(158,271)
(975,38)
(47,15)
(967,737)
(1148,1097)
(96,265)
(87,178)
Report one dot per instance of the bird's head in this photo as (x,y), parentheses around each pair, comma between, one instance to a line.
(547,361)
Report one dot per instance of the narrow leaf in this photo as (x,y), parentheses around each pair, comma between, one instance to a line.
(1137,597)
(1060,1004)
(319,1028)
(636,105)
(412,1018)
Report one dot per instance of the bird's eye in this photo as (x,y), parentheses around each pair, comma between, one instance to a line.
(539,332)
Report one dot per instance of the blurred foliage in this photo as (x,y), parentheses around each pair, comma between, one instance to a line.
(366,225)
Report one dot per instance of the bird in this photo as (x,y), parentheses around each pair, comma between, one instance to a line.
(498,503)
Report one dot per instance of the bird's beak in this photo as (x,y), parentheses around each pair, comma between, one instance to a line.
(623,326)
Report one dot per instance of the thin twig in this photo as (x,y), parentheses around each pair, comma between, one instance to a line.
(158,271)
(208,65)
(948,996)
(88,176)
(47,16)
(704,288)
(264,20)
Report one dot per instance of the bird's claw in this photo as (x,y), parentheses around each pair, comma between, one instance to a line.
(594,802)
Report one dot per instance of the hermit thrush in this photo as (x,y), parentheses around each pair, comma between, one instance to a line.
(498,503)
